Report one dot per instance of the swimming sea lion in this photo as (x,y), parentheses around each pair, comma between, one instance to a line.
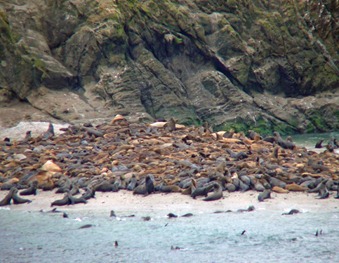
(17,199)
(7,199)
(264,195)
(318,145)
(292,212)
(217,193)
(32,190)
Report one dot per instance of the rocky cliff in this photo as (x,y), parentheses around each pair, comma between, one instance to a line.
(265,65)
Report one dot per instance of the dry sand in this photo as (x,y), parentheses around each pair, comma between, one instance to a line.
(126,202)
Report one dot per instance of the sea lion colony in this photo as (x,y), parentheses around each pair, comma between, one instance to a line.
(160,157)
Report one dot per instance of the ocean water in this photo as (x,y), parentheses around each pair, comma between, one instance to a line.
(204,237)
(309,140)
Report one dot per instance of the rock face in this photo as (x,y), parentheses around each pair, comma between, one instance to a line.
(265,65)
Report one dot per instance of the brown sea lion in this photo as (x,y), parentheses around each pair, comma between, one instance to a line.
(217,193)
(145,188)
(264,195)
(89,193)
(17,199)
(7,199)
(202,190)
(63,201)
(32,190)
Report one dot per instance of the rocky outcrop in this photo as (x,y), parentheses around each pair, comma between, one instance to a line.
(265,65)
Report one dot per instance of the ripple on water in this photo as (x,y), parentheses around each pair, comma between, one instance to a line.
(46,237)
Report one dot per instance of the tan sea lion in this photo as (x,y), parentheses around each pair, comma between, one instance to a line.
(295,187)
(280,190)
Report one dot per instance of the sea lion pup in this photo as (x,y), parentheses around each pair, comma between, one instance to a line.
(32,190)
(264,195)
(318,145)
(145,188)
(170,125)
(202,190)
(17,199)
(217,193)
(63,201)
(286,144)
(7,199)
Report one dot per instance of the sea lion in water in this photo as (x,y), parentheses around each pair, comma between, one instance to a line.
(7,199)
(32,190)
(217,193)
(17,199)
(264,195)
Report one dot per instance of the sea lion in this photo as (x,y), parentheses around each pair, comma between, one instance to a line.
(170,125)
(17,199)
(63,201)
(202,191)
(279,190)
(76,200)
(286,144)
(7,199)
(89,193)
(318,145)
(295,187)
(169,188)
(145,188)
(264,195)
(49,133)
(323,192)
(292,212)
(106,186)
(32,190)
(132,183)
(217,193)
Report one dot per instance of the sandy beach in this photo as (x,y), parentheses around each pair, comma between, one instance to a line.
(126,202)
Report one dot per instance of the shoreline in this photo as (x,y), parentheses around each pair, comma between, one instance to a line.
(123,202)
